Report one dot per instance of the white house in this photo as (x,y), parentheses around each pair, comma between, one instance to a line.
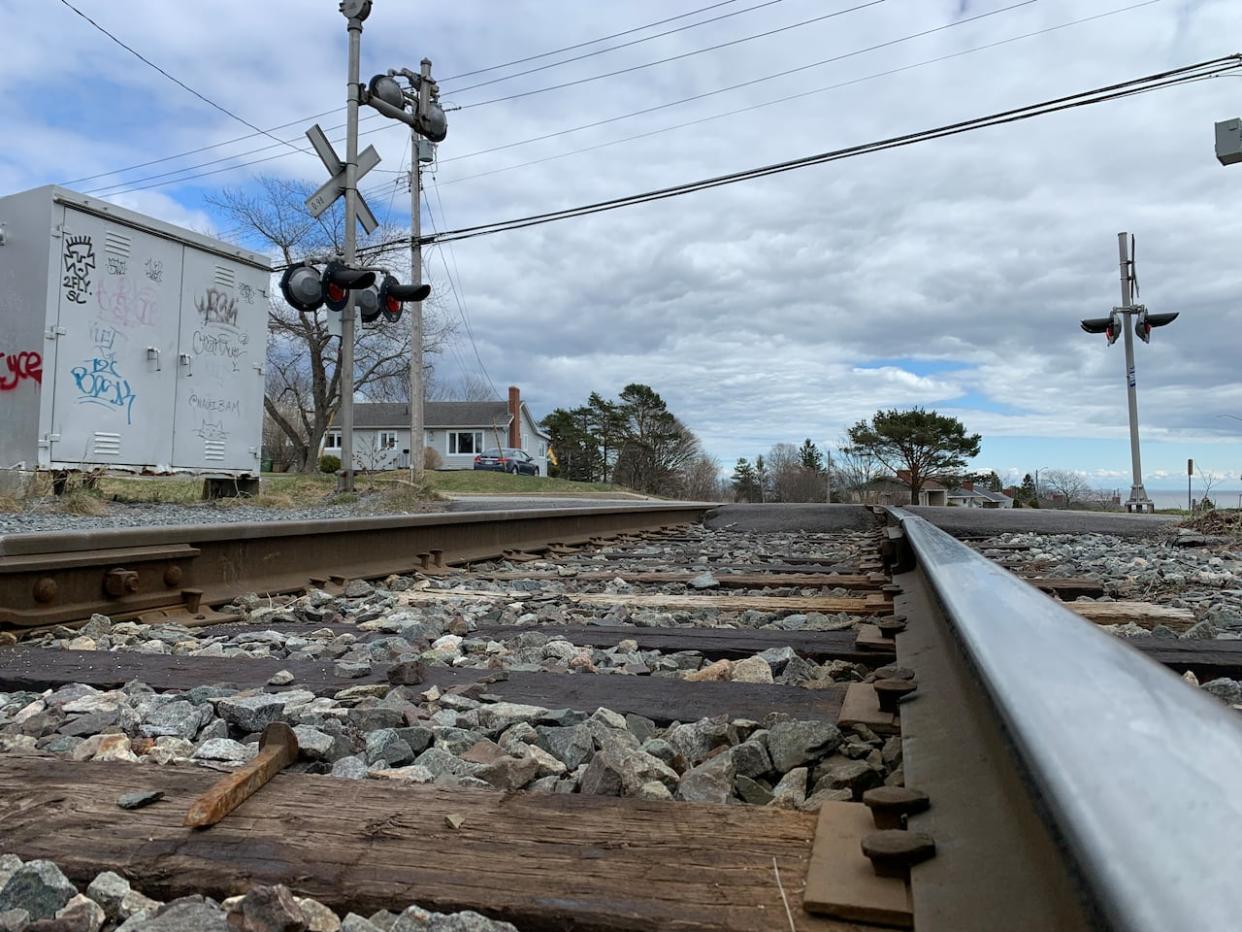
(969,497)
(457,430)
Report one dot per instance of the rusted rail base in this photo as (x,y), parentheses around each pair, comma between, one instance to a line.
(57,578)
(542,861)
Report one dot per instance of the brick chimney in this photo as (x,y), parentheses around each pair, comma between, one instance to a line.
(515,417)
(968,485)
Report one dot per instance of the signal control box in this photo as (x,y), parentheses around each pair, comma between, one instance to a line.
(126,343)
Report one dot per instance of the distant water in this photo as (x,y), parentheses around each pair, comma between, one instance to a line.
(1167,498)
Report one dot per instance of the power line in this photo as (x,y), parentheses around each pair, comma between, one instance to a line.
(178,81)
(135,184)
(612,48)
(459,297)
(750,83)
(662,61)
(316,116)
(1190,73)
(570,48)
(227,158)
(818,90)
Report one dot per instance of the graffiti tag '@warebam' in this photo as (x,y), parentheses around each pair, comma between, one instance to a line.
(99,383)
(18,367)
(79,263)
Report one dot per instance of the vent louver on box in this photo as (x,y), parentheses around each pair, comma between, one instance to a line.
(117,244)
(225,277)
(106,444)
(213,449)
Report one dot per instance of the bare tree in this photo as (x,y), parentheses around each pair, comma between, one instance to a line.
(302,393)
(789,477)
(853,471)
(1068,487)
(1208,479)
(467,387)
(700,480)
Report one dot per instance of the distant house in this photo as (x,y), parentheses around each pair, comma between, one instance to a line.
(967,496)
(895,490)
(456,430)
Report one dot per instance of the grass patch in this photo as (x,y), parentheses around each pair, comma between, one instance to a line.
(82,502)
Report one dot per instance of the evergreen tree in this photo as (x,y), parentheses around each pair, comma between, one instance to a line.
(994,482)
(920,443)
(761,477)
(812,460)
(745,483)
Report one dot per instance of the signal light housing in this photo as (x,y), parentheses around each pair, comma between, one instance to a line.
(393,294)
(1144,322)
(302,287)
(1110,326)
(339,280)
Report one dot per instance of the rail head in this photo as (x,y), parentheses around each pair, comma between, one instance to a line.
(1137,771)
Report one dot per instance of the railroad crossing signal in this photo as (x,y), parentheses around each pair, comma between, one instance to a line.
(1145,321)
(307,289)
(334,187)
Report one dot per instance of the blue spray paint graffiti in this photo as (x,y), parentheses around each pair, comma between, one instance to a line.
(99,383)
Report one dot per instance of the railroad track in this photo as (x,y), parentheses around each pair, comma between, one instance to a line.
(617,720)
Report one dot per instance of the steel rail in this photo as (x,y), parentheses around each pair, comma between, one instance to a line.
(61,577)
(1136,772)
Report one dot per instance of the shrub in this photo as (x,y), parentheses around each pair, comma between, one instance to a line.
(432,458)
(329,463)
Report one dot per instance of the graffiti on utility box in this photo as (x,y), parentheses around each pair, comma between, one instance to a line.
(79,264)
(99,383)
(20,367)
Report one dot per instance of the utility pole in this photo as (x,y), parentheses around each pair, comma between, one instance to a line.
(1138,500)
(828,477)
(355,12)
(417,388)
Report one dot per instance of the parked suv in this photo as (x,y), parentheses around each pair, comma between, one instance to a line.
(506,459)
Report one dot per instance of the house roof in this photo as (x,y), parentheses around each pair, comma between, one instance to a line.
(985,494)
(435,414)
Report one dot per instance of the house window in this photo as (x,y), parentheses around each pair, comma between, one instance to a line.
(465,441)
(332,440)
(387,439)
(543,449)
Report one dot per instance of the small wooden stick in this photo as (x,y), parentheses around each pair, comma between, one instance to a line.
(278,748)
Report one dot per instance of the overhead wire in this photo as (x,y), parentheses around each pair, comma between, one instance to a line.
(316,116)
(671,58)
(748,83)
(733,112)
(611,48)
(579,45)
(134,186)
(205,99)
(459,293)
(1145,84)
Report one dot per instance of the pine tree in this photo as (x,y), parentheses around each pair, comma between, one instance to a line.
(745,483)
(812,460)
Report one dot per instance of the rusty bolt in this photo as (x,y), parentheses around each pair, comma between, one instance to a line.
(119,582)
(889,627)
(44,589)
(437,556)
(172,576)
(890,693)
(424,560)
(894,851)
(192,599)
(890,805)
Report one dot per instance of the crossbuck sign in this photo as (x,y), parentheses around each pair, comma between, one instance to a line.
(334,187)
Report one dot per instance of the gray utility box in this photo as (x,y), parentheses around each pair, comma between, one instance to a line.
(126,343)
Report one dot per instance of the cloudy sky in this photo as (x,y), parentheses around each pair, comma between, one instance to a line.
(950,274)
